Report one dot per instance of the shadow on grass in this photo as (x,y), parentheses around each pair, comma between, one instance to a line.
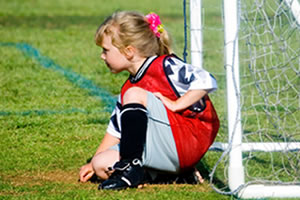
(49,22)
(60,22)
(184,178)
(204,170)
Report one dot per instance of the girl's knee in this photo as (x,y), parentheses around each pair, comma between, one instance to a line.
(135,95)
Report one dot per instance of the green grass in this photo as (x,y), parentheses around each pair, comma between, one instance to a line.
(49,125)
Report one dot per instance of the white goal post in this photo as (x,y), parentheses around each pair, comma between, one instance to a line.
(235,147)
(196,33)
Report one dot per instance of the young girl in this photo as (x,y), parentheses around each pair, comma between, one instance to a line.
(164,119)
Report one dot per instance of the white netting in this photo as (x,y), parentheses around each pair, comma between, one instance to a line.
(269,51)
(270,87)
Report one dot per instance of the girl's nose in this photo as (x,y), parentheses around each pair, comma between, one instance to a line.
(102,56)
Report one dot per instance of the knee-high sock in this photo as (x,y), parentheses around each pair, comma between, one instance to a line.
(133,131)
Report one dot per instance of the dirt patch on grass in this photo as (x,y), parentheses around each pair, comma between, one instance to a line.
(39,178)
(70,181)
(51,182)
(204,187)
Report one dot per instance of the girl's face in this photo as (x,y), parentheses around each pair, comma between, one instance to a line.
(111,55)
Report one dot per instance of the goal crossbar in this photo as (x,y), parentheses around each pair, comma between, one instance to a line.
(259,146)
(264,191)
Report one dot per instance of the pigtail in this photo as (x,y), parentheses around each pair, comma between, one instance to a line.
(164,42)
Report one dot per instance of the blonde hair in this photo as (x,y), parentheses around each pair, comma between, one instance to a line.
(131,28)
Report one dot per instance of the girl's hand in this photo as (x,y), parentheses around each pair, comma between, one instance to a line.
(86,172)
(189,98)
(171,105)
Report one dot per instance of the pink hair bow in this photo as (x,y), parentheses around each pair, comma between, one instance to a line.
(155,24)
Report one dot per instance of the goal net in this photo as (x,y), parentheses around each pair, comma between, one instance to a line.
(261,150)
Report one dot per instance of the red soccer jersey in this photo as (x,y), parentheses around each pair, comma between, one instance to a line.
(193,132)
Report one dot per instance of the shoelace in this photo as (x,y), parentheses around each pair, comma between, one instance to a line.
(118,168)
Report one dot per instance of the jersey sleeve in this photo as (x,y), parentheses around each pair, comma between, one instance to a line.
(114,125)
(186,77)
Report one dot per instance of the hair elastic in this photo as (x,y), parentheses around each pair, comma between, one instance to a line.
(155,23)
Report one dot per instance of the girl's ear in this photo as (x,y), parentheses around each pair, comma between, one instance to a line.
(129,52)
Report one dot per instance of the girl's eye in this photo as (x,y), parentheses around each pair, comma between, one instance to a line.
(104,51)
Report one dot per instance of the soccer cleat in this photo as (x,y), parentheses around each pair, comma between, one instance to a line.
(126,174)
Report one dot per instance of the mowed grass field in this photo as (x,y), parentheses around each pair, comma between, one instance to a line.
(56,96)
